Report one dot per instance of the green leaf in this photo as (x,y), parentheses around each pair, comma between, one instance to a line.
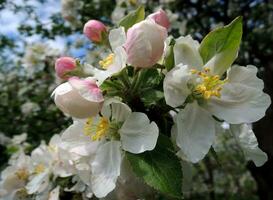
(169,56)
(220,47)
(133,18)
(151,77)
(164,142)
(159,169)
(151,97)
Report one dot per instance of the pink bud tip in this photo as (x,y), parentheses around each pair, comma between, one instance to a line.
(161,18)
(93,29)
(64,65)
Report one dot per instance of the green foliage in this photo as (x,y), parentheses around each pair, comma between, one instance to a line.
(169,57)
(222,45)
(160,169)
(133,18)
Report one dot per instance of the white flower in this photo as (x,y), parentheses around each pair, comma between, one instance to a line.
(104,137)
(236,99)
(248,142)
(19,139)
(115,61)
(35,56)
(46,161)
(15,177)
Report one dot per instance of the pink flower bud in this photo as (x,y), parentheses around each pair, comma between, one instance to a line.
(161,18)
(64,65)
(93,29)
(79,98)
(145,43)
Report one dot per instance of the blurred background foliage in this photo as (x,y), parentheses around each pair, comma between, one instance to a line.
(27,78)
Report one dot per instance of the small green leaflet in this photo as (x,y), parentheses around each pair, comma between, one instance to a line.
(160,169)
(220,47)
(169,55)
(133,18)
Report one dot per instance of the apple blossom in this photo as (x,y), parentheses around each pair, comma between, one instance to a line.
(116,60)
(161,18)
(64,65)
(46,161)
(14,177)
(237,99)
(80,98)
(104,137)
(145,43)
(94,30)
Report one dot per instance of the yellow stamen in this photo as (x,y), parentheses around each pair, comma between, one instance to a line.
(211,85)
(22,174)
(40,168)
(105,63)
(96,131)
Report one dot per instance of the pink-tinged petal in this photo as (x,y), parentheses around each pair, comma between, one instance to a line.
(161,18)
(64,65)
(145,44)
(87,88)
(79,98)
(94,29)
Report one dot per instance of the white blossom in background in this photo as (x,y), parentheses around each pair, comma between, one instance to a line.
(70,11)
(14,178)
(47,161)
(17,145)
(36,55)
(239,98)
(29,107)
(4,140)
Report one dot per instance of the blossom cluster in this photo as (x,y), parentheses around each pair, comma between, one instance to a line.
(152,102)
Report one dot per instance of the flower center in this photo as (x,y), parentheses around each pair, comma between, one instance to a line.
(22,174)
(96,131)
(210,85)
(40,168)
(105,63)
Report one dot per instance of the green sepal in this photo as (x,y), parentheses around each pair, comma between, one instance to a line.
(133,18)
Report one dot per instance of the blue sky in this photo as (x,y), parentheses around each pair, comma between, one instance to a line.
(9,22)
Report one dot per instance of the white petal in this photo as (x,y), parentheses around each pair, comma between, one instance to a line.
(87,88)
(138,134)
(248,142)
(186,52)
(116,109)
(106,168)
(246,76)
(242,99)
(119,62)
(194,132)
(175,85)
(62,89)
(77,100)
(54,194)
(76,142)
(117,37)
(100,75)
(38,183)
